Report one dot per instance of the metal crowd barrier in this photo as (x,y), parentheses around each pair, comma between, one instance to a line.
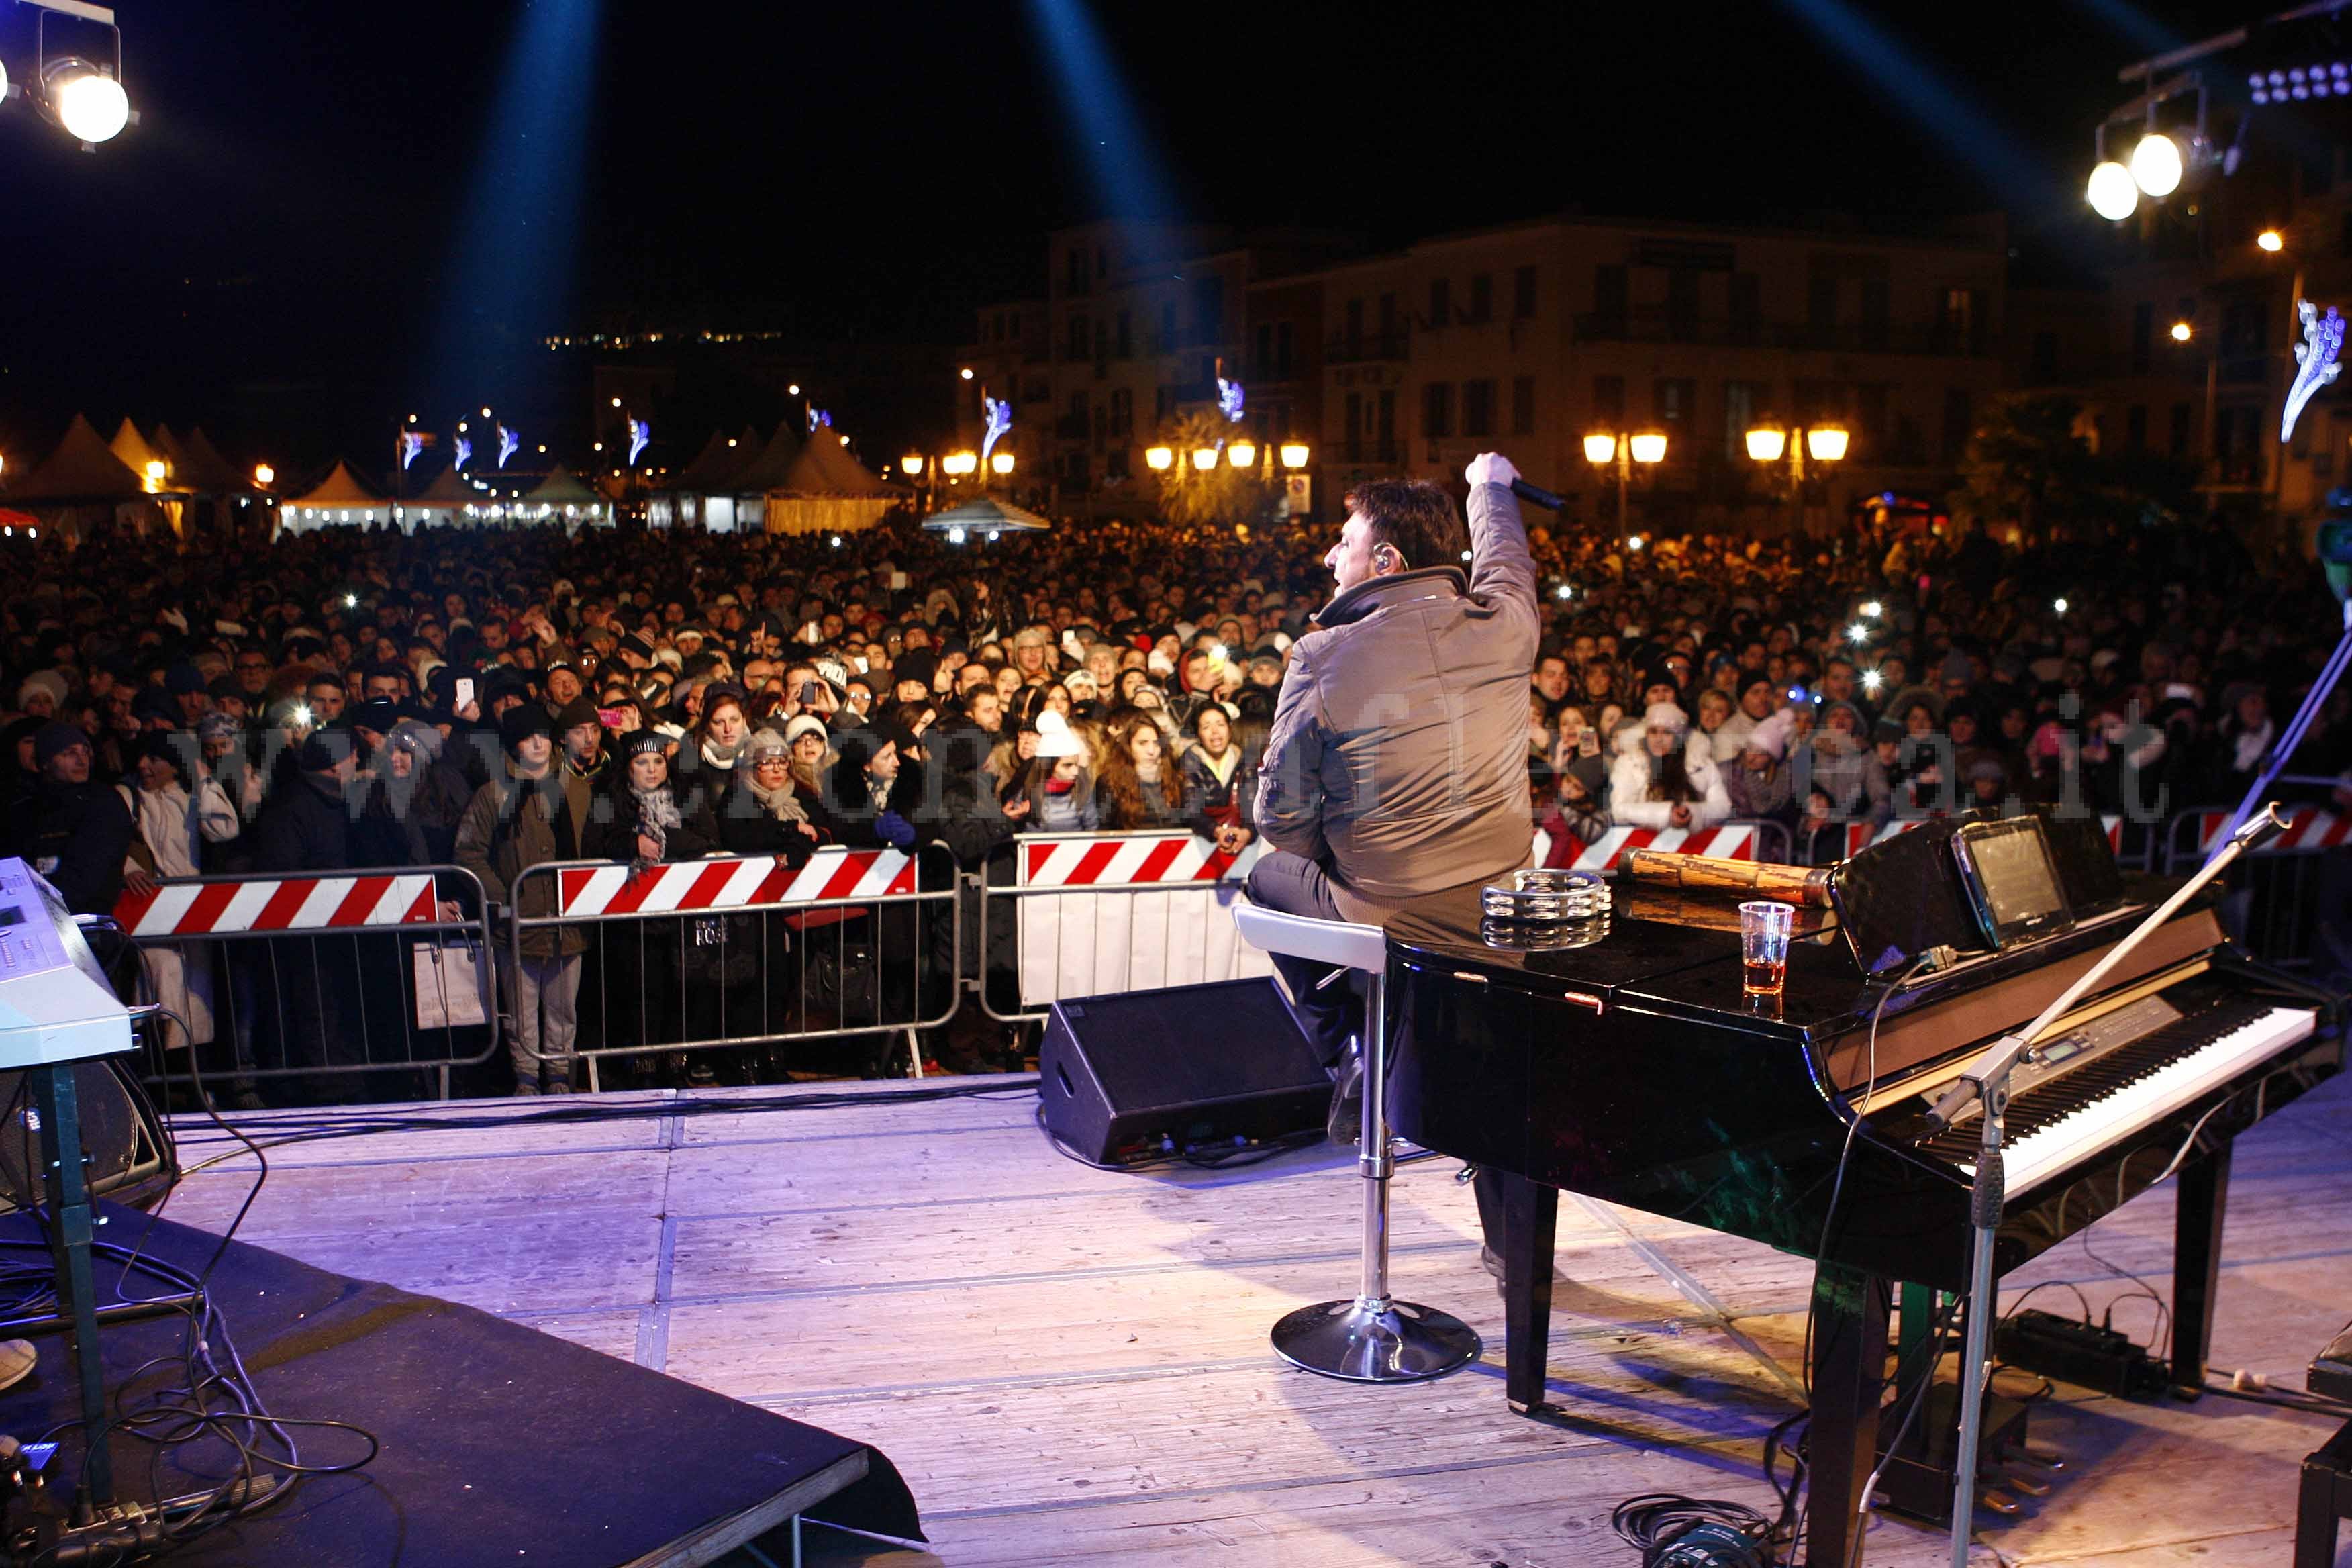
(2276,892)
(1086,914)
(744,953)
(317,978)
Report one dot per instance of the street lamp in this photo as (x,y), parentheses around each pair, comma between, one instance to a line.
(1160,459)
(1770,444)
(1001,462)
(264,475)
(1294,454)
(2271,240)
(1204,458)
(911,463)
(2182,331)
(1242,453)
(1602,450)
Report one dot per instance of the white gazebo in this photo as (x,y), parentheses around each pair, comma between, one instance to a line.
(339,501)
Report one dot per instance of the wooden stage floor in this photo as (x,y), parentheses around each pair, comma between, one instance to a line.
(1071,1366)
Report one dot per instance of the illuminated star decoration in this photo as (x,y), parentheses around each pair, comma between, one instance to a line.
(411,443)
(639,434)
(2323,339)
(1229,397)
(999,420)
(465,451)
(509,445)
(817,417)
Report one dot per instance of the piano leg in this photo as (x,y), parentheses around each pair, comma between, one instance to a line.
(1531,1212)
(1850,1308)
(2204,1203)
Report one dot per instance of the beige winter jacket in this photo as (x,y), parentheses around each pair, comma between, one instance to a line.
(1398,756)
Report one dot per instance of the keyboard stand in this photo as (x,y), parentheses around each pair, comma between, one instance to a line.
(71,1226)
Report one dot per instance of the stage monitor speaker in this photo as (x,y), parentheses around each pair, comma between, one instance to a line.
(131,1156)
(1131,1077)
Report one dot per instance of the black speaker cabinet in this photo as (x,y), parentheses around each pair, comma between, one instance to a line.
(1194,1067)
(131,1156)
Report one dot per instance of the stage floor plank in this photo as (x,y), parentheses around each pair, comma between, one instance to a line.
(1071,1366)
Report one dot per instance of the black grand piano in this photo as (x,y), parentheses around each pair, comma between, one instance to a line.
(1628,1066)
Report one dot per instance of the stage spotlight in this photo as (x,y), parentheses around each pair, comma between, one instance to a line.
(90,105)
(2157,164)
(2113,195)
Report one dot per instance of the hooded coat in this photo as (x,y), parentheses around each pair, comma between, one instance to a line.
(1630,803)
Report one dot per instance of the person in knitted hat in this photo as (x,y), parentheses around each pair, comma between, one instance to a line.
(516,821)
(1759,781)
(1663,777)
(759,811)
(74,830)
(1056,780)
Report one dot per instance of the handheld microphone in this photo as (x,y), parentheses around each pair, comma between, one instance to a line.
(1539,496)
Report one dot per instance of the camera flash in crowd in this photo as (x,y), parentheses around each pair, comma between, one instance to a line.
(2059,605)
(350,601)
(1857,633)
(1872,681)
(1872,609)
(1564,592)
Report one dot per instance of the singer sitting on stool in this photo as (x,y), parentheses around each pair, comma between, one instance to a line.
(1397,763)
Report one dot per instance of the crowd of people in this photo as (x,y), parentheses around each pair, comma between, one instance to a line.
(500,699)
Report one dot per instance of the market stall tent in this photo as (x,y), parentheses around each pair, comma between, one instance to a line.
(339,500)
(562,498)
(828,491)
(82,482)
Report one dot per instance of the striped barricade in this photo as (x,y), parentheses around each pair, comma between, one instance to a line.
(318,976)
(737,950)
(1861,836)
(2193,835)
(1105,912)
(264,905)
(1732,841)
(732,882)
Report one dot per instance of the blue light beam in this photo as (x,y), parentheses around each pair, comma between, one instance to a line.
(1128,181)
(2013,173)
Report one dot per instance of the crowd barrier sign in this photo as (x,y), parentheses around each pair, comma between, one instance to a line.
(316,977)
(1095,913)
(1861,836)
(749,952)
(2277,891)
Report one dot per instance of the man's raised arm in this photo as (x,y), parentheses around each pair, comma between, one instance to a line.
(1502,570)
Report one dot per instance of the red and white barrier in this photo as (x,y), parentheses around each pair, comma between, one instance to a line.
(731,882)
(1735,841)
(1078,942)
(277,904)
(1861,836)
(2307,828)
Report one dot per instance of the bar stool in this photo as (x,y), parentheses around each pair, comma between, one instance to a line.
(1374,1338)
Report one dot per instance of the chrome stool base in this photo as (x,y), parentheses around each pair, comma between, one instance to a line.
(1375,1341)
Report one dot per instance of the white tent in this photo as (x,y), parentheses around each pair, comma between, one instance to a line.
(339,501)
(563,497)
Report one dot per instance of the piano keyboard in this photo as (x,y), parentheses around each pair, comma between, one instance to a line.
(2067,1119)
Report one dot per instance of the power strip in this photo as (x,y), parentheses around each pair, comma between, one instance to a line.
(2082,1354)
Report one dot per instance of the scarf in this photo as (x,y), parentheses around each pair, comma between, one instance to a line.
(658,812)
(1223,768)
(720,756)
(780,803)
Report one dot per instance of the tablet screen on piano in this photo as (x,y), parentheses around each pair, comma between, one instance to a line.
(2011,879)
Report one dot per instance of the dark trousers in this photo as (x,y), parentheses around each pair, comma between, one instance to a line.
(1331,1012)
(1322,995)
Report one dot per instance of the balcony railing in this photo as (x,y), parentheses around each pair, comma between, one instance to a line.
(1365,348)
(1838,337)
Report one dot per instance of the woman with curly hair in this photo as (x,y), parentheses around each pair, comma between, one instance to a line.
(1137,784)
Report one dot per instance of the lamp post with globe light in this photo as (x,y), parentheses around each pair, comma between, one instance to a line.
(1606,449)
(1769,445)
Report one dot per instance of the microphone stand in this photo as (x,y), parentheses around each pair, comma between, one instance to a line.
(1987,1079)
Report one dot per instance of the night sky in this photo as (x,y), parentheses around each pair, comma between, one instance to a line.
(280,249)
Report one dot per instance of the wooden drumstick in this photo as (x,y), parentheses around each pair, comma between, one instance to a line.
(1805,886)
